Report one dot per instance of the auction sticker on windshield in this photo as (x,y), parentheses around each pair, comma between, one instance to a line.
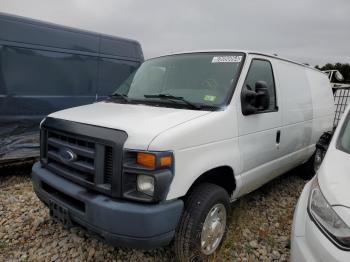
(227,59)
(209,98)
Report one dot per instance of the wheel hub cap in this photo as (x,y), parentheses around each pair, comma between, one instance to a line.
(213,229)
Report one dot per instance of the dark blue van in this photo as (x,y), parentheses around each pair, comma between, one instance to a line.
(45,68)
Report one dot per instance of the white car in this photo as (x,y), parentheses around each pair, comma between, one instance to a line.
(182,137)
(321,226)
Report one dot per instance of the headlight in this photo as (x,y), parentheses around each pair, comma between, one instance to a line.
(326,218)
(147,175)
(145,184)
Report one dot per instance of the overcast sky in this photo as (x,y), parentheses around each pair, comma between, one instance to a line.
(312,31)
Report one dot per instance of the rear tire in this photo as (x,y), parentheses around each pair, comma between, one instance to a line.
(318,158)
(202,226)
(310,168)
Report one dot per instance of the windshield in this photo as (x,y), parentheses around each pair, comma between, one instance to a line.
(344,137)
(206,79)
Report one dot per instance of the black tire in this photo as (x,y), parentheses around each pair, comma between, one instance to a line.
(198,204)
(306,170)
(309,169)
(318,158)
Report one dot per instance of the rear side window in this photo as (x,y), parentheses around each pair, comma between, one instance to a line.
(261,70)
(35,72)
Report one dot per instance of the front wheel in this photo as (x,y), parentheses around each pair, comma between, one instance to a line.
(203,223)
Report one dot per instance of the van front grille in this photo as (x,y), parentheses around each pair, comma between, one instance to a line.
(82,166)
(87,160)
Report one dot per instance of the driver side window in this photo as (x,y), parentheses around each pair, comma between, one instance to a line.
(261,70)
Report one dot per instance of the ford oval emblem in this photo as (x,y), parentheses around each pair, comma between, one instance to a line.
(68,155)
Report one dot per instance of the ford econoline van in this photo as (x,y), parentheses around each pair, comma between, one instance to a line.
(180,139)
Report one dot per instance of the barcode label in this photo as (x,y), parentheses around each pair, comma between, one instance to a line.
(227,59)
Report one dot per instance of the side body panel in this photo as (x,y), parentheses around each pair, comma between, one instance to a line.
(257,139)
(39,82)
(323,104)
(297,113)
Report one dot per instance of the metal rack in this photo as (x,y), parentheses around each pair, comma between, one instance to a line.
(341,93)
(341,100)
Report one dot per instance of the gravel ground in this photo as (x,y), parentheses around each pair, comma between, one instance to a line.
(259,228)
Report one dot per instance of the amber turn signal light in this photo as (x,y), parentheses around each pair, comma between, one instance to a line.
(165,161)
(149,160)
(146,159)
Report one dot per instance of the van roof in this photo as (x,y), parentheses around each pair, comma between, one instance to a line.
(247,52)
(54,25)
(31,31)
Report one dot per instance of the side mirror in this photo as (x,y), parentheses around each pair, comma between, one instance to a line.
(248,98)
(255,101)
(262,95)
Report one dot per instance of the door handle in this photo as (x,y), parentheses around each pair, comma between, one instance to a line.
(278,138)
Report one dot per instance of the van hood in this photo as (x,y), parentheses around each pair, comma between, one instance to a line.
(141,122)
(334,177)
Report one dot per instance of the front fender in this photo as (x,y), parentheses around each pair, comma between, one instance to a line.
(191,163)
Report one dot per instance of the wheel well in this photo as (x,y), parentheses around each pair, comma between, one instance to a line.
(222,176)
(324,141)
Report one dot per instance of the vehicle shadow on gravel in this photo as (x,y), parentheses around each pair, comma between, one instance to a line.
(258,230)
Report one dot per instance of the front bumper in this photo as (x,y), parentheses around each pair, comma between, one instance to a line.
(117,221)
(309,244)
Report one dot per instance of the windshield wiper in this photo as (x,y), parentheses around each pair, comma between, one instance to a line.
(172,97)
(124,97)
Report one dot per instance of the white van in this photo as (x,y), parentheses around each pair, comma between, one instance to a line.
(182,137)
